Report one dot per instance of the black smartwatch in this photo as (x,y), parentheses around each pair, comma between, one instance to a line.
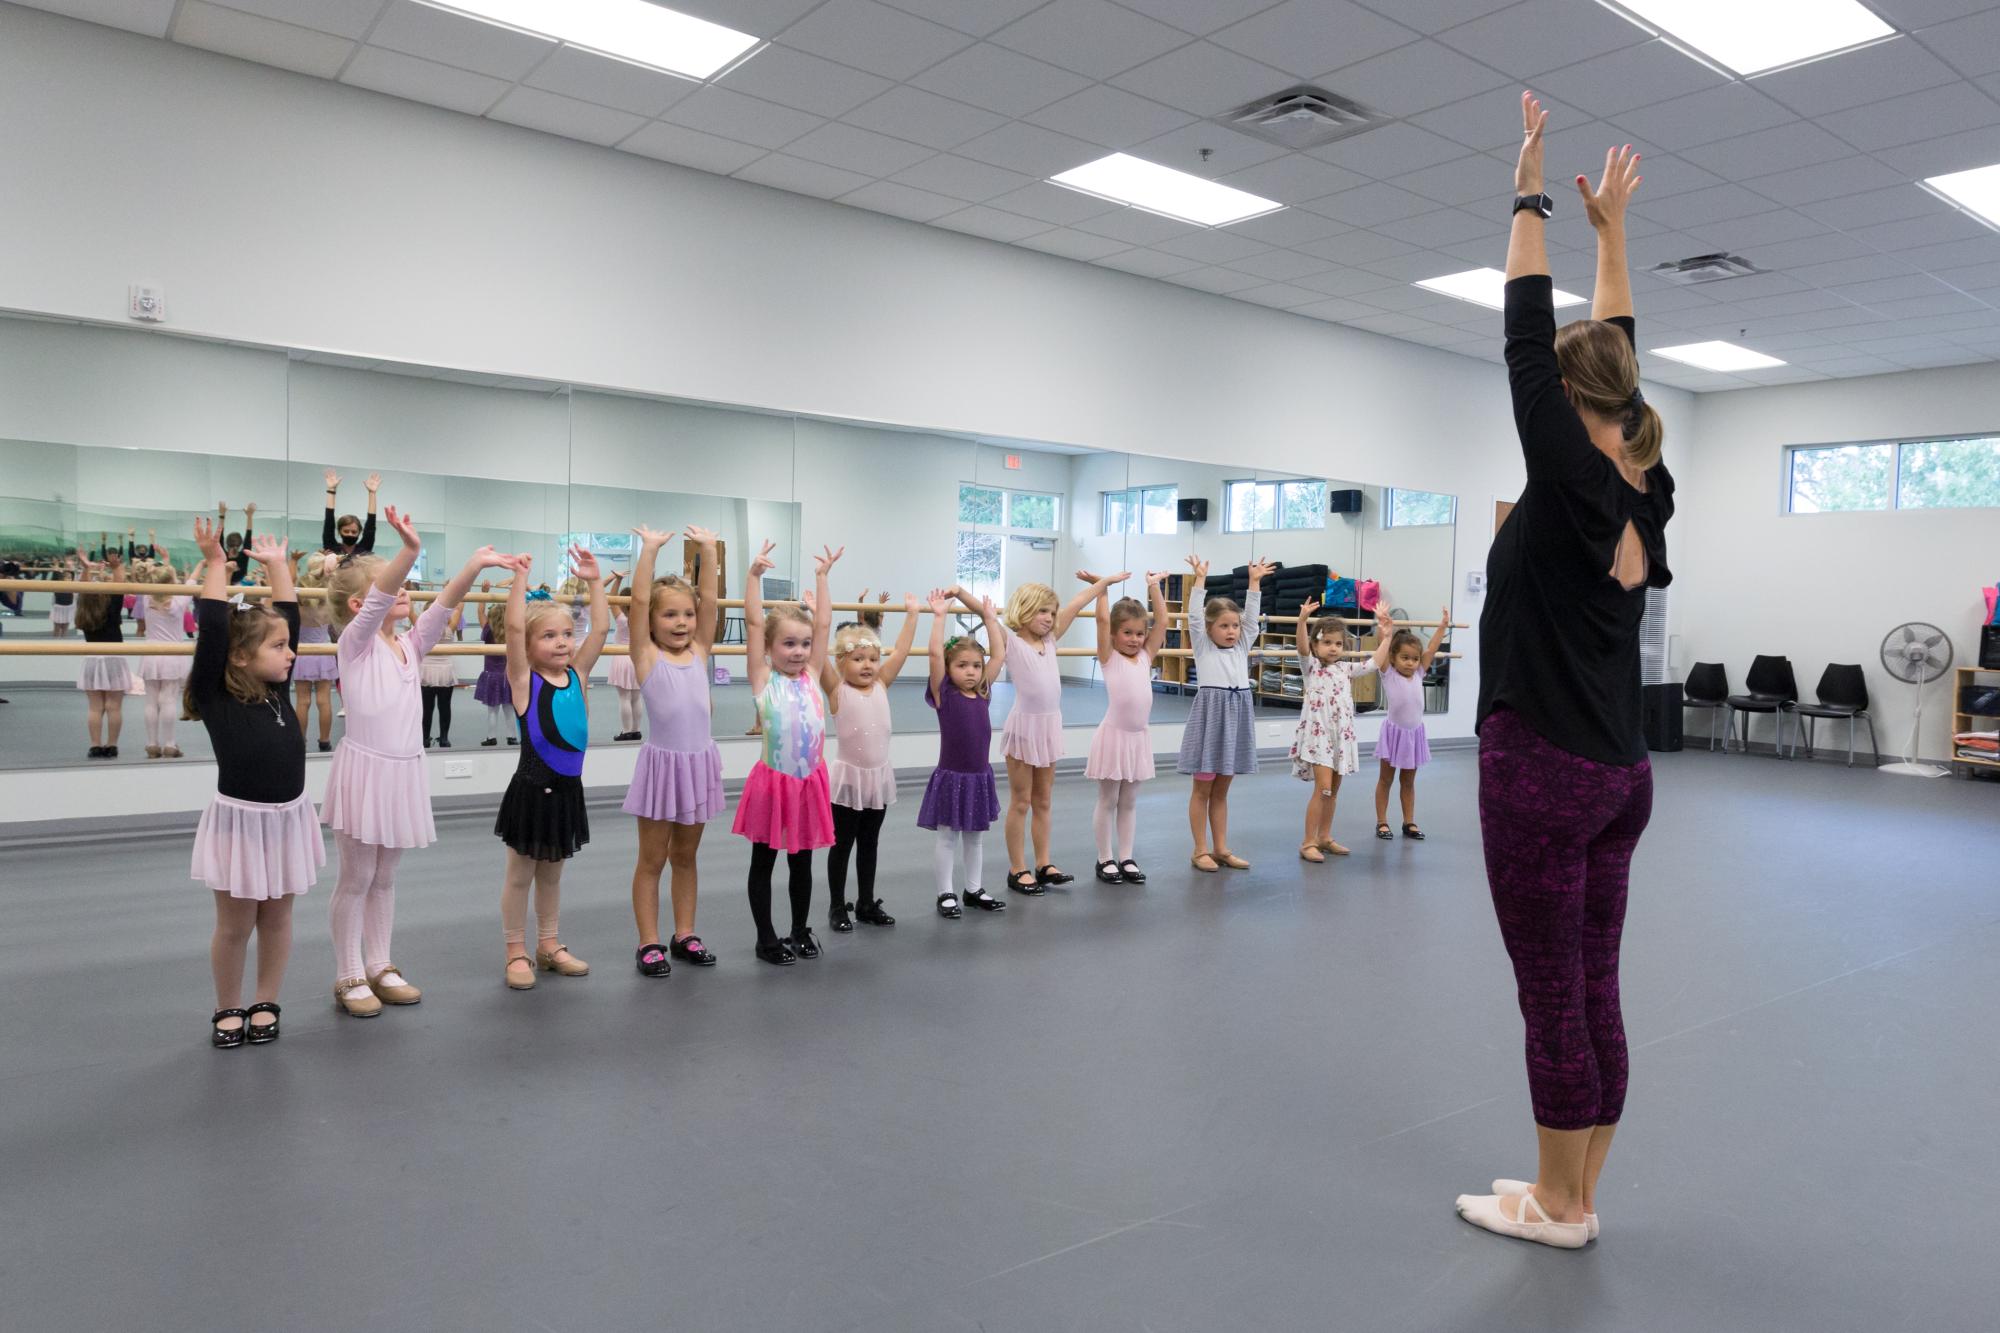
(1541,203)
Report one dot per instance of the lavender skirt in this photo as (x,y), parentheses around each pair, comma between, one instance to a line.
(1403,747)
(966,802)
(492,690)
(677,786)
(248,849)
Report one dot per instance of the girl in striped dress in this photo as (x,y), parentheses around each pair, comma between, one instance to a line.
(1220,740)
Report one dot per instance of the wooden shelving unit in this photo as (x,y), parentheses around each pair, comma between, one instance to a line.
(1964,721)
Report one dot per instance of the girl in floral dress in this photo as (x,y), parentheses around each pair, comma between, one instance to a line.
(1323,747)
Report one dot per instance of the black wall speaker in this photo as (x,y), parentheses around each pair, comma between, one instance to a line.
(1660,710)
(1343,502)
(1191,511)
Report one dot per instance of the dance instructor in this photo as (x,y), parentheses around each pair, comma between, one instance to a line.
(1565,787)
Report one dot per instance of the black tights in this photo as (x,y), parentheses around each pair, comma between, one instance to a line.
(853,831)
(437,699)
(799,865)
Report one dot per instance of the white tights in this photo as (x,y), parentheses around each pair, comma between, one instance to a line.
(493,722)
(628,710)
(364,906)
(546,879)
(1117,803)
(953,847)
(163,709)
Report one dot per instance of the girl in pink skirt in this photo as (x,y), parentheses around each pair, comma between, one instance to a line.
(677,782)
(1121,752)
(314,674)
(165,617)
(378,800)
(1402,747)
(785,805)
(258,844)
(1031,738)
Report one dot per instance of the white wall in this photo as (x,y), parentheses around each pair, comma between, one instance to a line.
(1821,588)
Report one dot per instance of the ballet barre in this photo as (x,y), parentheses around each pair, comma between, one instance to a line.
(142,648)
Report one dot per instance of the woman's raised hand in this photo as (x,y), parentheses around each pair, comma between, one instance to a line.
(1605,206)
(374,482)
(762,563)
(332,480)
(405,526)
(267,550)
(1528,170)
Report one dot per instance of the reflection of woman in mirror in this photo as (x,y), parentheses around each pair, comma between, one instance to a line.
(165,623)
(313,675)
(490,687)
(677,780)
(1565,786)
(236,545)
(348,535)
(104,680)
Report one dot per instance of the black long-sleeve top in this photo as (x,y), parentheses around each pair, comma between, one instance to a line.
(260,750)
(329,536)
(1559,636)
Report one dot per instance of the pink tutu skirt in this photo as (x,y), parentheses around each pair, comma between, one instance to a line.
(248,849)
(860,788)
(788,813)
(105,673)
(623,677)
(1032,738)
(165,668)
(678,786)
(382,800)
(1120,756)
(1402,747)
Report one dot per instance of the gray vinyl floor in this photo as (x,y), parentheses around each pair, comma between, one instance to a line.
(1216,1102)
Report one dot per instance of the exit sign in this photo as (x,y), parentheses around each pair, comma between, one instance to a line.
(1014,462)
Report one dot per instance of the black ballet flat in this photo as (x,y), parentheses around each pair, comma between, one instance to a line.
(838,919)
(488,743)
(513,740)
(428,742)
(985,901)
(1109,873)
(871,913)
(443,744)
(690,950)
(948,907)
(110,752)
(1382,832)
(805,944)
(656,965)
(223,1038)
(1413,833)
(1024,881)
(1052,876)
(263,1033)
(1130,870)
(325,746)
(776,952)
(96,752)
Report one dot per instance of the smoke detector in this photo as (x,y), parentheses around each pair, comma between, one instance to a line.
(1302,117)
(1704,268)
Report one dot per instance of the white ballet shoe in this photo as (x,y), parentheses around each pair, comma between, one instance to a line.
(1483,1211)
(1523,1187)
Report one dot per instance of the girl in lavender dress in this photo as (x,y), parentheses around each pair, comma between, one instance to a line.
(960,802)
(1402,745)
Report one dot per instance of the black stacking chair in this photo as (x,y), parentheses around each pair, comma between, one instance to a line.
(1771,688)
(1707,688)
(1842,692)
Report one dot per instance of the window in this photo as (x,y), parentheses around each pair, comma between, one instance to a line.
(1418,509)
(1149,510)
(988,517)
(1261,506)
(1914,474)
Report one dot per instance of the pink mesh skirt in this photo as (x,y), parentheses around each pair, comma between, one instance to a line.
(1122,756)
(165,668)
(623,677)
(248,849)
(105,673)
(678,786)
(1032,738)
(379,799)
(788,813)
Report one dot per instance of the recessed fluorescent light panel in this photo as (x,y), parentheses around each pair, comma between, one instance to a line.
(1133,181)
(1976,191)
(1718,356)
(1757,36)
(630,30)
(1485,286)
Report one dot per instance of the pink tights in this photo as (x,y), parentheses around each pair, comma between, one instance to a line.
(364,906)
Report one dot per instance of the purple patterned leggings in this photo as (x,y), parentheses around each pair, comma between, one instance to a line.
(1559,833)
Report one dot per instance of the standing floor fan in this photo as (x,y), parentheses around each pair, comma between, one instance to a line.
(1917,654)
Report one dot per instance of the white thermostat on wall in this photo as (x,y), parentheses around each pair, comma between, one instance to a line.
(148,302)
(1475,581)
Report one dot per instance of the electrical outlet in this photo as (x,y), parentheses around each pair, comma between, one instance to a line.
(1274,732)
(458,768)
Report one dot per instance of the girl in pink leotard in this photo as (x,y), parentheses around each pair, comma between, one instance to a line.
(1121,753)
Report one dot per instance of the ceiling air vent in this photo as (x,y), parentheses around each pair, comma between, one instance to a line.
(1302,117)
(1704,268)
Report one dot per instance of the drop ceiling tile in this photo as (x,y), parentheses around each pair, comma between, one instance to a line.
(1971,43)
(977,17)
(1294,178)
(1369,205)
(1390,150)
(151,17)
(1204,79)
(1825,180)
(1971,278)
(1420,264)
(1945,241)
(1926,307)
(1221,280)
(1278,295)
(690,148)
(1110,117)
(1052,204)
(1348,282)
(721,111)
(1764,152)
(1388,323)
(1228,151)
(453,39)
(1773,228)
(1216,247)
(1307,37)
(1490,120)
(553,113)
(607,82)
(1953,152)
(1540,35)
(854,149)
(399,75)
(1914,117)
(1282,266)
(1355,248)
(1633,77)
(992,223)
(1720,113)
(1288,227)
(1198,17)
(1418,77)
(1000,80)
(962,178)
(1149,263)
(805,82)
(1786,303)
(1885,205)
(1337,309)
(1824,249)
(342,18)
(1887,69)
(267,41)
(874,37)
(1910,287)
(1090,37)
(1840,273)
(802,177)
(1071,244)
(903,201)
(1030,149)
(1406,298)
(760,18)
(923,117)
(1856,365)
(1447,226)
(1462,182)
(1134,226)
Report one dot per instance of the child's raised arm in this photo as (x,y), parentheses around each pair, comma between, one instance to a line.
(436,621)
(1437,638)
(1191,603)
(1156,633)
(269,552)
(705,576)
(996,642)
(639,614)
(1102,614)
(756,667)
(215,566)
(822,608)
(398,566)
(1385,630)
(585,565)
(905,637)
(1306,609)
(1067,613)
(940,604)
(515,620)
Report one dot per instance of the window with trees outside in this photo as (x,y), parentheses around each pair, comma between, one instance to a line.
(987,517)
(1418,509)
(1912,474)
(1147,510)
(1261,506)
